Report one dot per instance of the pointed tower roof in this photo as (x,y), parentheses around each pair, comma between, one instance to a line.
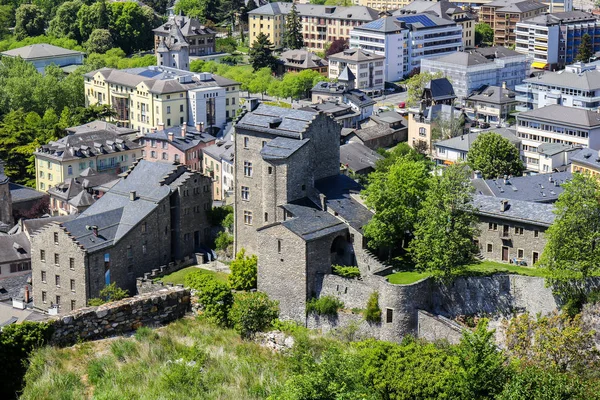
(346,75)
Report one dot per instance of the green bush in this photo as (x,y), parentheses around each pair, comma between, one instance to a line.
(252,312)
(243,271)
(217,215)
(215,297)
(346,272)
(326,305)
(109,293)
(373,313)
(223,240)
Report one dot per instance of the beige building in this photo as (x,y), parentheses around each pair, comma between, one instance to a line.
(503,15)
(367,68)
(161,97)
(320,24)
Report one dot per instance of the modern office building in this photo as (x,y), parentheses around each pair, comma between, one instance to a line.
(578,85)
(162,97)
(503,16)
(552,40)
(472,69)
(407,39)
(320,24)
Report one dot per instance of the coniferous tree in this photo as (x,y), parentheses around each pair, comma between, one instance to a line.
(585,50)
(261,53)
(293,30)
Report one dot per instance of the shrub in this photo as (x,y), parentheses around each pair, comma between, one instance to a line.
(109,293)
(223,241)
(252,312)
(243,271)
(373,313)
(326,305)
(346,272)
(218,214)
(215,297)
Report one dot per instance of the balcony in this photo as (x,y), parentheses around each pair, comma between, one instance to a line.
(504,234)
(106,167)
(524,99)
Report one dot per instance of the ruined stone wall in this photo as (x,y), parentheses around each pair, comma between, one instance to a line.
(121,316)
(435,327)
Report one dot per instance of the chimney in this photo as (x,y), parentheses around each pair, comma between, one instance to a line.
(95,230)
(503,205)
(170,136)
(504,85)
(161,126)
(132,195)
(26,294)
(183,130)
(199,127)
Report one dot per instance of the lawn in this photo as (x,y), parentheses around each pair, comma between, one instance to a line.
(178,276)
(481,268)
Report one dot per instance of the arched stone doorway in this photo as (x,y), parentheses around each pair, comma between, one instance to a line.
(342,252)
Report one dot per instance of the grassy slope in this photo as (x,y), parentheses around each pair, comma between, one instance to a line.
(143,367)
(484,267)
(179,276)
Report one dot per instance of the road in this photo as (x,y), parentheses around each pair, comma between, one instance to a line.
(390,99)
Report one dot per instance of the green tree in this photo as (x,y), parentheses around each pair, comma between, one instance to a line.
(261,53)
(484,34)
(100,41)
(534,383)
(252,312)
(395,195)
(92,17)
(416,84)
(243,271)
(203,10)
(262,80)
(572,251)
(65,23)
(29,21)
(373,312)
(392,155)
(223,241)
(482,363)
(494,156)
(585,51)
(109,293)
(446,225)
(6,20)
(215,297)
(446,128)
(131,26)
(292,38)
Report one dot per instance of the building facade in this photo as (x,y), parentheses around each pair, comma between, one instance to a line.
(472,69)
(552,40)
(405,40)
(454,150)
(43,54)
(491,104)
(320,24)
(301,60)
(218,164)
(367,68)
(103,150)
(569,126)
(503,16)
(586,161)
(578,86)
(154,215)
(200,40)
(162,97)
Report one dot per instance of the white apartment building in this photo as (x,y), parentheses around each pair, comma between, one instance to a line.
(406,40)
(573,127)
(552,40)
(472,69)
(367,68)
(578,85)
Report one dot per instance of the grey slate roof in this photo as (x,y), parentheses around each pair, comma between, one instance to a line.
(188,26)
(281,148)
(14,248)
(551,149)
(98,125)
(302,58)
(557,114)
(337,191)
(220,151)
(355,55)
(373,132)
(346,75)
(356,13)
(11,287)
(529,212)
(463,142)
(114,213)
(83,199)
(493,95)
(358,157)
(443,9)
(33,226)
(192,137)
(463,58)
(20,193)
(277,121)
(494,52)
(441,89)
(536,188)
(587,157)
(37,51)
(588,80)
(516,5)
(558,18)
(383,25)
(311,223)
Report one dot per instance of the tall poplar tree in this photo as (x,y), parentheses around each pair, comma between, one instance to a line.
(293,30)
(585,50)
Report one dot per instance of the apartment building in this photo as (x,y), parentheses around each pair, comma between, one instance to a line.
(367,68)
(552,40)
(301,60)
(150,97)
(586,161)
(573,127)
(446,10)
(472,69)
(103,150)
(578,85)
(407,39)
(503,16)
(491,104)
(320,24)
(453,150)
(198,38)
(218,164)
(155,215)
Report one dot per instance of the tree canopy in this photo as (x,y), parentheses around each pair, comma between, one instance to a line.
(484,34)
(261,53)
(585,51)
(416,84)
(494,156)
(292,38)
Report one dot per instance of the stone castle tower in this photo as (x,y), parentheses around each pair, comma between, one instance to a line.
(174,50)
(6,217)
